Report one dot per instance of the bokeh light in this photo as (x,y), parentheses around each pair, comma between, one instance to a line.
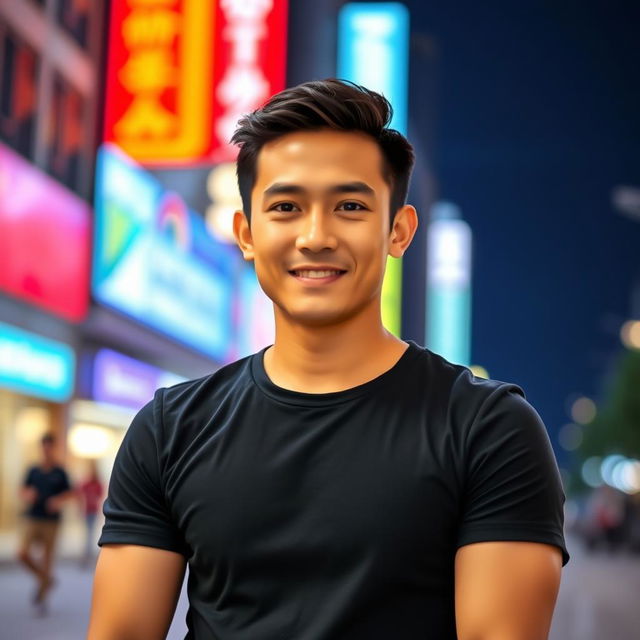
(570,436)
(583,410)
(89,440)
(590,472)
(630,334)
(479,371)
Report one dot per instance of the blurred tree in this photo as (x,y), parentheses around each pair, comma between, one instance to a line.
(616,428)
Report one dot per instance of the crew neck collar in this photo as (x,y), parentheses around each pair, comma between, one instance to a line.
(300,398)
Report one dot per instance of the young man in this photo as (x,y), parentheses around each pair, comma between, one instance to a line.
(341,484)
(46,486)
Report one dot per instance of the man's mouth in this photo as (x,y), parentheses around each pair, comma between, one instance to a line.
(317,273)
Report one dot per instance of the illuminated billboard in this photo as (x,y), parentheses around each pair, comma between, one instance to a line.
(44,239)
(373,51)
(34,365)
(126,382)
(256,323)
(449,248)
(181,72)
(155,261)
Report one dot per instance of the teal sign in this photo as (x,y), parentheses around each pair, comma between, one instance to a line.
(35,366)
(449,284)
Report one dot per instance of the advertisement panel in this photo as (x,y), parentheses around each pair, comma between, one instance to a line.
(126,382)
(373,50)
(164,58)
(256,323)
(155,261)
(44,239)
(250,64)
(449,284)
(34,365)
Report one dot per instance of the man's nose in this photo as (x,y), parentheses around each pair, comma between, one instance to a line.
(316,232)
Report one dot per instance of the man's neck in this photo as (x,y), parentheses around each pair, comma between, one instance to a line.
(330,358)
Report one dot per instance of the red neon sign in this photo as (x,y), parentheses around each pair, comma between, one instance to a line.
(181,72)
(44,239)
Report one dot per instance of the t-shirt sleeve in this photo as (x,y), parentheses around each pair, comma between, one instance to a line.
(513,490)
(65,483)
(135,509)
(28,478)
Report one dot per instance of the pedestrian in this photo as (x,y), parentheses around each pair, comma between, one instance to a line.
(341,483)
(45,489)
(90,491)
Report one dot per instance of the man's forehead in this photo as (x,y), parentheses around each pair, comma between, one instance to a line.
(318,155)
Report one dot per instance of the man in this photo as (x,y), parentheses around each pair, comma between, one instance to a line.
(45,488)
(341,483)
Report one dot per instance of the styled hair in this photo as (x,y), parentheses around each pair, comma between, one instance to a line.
(334,104)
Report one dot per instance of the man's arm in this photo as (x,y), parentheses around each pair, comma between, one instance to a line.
(55,503)
(506,590)
(28,493)
(135,592)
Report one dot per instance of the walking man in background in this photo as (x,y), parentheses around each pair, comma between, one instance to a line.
(45,489)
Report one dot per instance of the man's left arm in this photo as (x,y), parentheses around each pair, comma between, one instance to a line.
(506,590)
(510,546)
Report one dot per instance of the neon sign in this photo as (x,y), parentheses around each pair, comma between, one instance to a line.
(44,239)
(181,72)
(155,261)
(34,365)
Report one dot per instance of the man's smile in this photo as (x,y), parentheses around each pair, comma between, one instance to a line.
(317,275)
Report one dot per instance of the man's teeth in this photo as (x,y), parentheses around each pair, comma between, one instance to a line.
(317,274)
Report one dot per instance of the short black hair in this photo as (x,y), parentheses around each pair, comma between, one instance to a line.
(334,104)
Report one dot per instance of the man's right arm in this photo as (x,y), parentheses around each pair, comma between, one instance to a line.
(135,592)
(28,493)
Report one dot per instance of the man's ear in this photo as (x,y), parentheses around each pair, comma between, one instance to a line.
(242,233)
(404,228)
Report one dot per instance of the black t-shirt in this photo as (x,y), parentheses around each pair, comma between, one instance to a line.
(332,516)
(48,484)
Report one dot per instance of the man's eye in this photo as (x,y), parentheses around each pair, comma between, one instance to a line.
(284,207)
(351,206)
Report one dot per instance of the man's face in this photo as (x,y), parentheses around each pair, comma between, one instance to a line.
(319,231)
(48,450)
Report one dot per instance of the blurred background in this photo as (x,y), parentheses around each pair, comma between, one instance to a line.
(118,273)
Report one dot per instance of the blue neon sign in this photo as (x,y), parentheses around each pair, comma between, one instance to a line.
(155,261)
(373,50)
(34,365)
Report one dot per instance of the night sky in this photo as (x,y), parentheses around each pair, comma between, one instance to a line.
(530,116)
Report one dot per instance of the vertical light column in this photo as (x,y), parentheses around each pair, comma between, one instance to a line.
(373,51)
(449,241)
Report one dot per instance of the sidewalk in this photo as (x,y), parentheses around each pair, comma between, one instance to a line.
(69,605)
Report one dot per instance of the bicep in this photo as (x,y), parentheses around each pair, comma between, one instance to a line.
(506,590)
(135,592)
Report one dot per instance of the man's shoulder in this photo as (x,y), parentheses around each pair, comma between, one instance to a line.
(201,394)
(459,390)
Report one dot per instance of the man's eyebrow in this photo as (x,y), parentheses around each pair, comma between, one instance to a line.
(353,187)
(280,188)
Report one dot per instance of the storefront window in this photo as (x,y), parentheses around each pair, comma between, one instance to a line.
(17,93)
(73,16)
(64,134)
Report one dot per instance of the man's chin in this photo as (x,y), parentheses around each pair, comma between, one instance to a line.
(316,318)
